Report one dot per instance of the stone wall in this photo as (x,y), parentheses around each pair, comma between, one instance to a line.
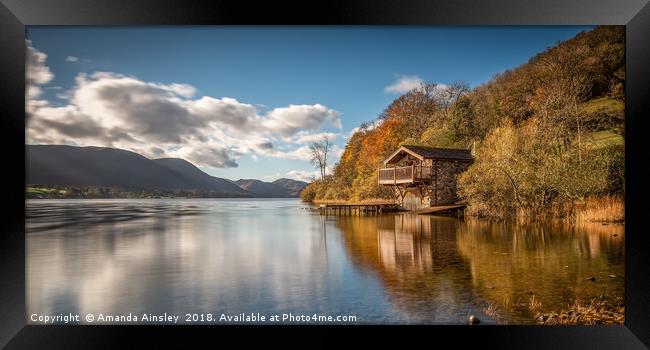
(445,187)
(443,191)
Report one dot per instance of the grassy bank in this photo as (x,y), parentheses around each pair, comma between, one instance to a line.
(608,208)
(601,209)
(595,312)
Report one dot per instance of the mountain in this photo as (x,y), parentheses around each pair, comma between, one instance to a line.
(61,165)
(263,189)
(280,188)
(196,175)
(293,186)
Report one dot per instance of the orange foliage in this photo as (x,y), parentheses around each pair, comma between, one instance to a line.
(379,143)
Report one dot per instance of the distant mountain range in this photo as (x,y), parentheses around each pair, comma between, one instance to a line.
(281,188)
(294,187)
(61,165)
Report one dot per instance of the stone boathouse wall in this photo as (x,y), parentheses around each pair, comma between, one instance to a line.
(443,190)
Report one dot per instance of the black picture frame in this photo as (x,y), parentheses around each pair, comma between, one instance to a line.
(16,14)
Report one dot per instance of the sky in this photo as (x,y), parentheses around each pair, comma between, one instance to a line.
(246,102)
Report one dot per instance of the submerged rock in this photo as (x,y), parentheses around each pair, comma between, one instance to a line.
(474,320)
(592,279)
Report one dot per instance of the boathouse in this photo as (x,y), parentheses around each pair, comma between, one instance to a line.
(423,177)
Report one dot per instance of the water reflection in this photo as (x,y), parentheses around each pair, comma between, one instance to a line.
(273,256)
(440,269)
(236,256)
(417,259)
(512,262)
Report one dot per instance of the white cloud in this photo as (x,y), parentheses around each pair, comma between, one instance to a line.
(300,153)
(72,59)
(230,113)
(287,121)
(183,90)
(272,177)
(303,175)
(366,127)
(33,91)
(441,86)
(304,153)
(37,73)
(167,120)
(303,137)
(404,83)
(307,176)
(164,120)
(335,154)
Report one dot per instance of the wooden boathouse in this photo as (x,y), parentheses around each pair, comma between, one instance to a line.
(424,177)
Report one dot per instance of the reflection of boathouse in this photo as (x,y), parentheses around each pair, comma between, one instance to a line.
(423,177)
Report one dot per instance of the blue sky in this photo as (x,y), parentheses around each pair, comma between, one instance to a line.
(332,78)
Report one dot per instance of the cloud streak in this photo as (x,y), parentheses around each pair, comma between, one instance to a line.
(404,83)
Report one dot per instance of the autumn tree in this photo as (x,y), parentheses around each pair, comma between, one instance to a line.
(416,109)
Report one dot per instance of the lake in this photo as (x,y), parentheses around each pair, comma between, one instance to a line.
(279,256)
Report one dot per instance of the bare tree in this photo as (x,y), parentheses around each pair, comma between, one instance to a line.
(319,151)
(448,96)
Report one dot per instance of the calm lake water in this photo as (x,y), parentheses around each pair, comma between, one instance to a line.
(233,256)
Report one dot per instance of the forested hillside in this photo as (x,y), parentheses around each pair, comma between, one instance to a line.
(545,135)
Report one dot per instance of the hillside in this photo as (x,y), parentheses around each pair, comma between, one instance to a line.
(294,187)
(263,189)
(544,135)
(197,177)
(60,165)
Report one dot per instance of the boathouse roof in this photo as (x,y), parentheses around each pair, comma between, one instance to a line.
(422,153)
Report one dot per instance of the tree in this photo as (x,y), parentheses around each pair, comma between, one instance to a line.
(449,95)
(416,109)
(319,151)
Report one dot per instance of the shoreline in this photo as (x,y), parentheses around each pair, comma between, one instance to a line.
(604,209)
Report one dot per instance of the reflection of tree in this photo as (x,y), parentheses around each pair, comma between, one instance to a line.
(433,267)
(511,262)
(324,234)
(416,258)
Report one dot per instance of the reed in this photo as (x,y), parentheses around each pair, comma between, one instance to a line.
(534,305)
(595,313)
(601,209)
(493,311)
(607,208)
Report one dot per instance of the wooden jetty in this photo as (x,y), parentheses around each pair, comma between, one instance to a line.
(358,209)
(453,209)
